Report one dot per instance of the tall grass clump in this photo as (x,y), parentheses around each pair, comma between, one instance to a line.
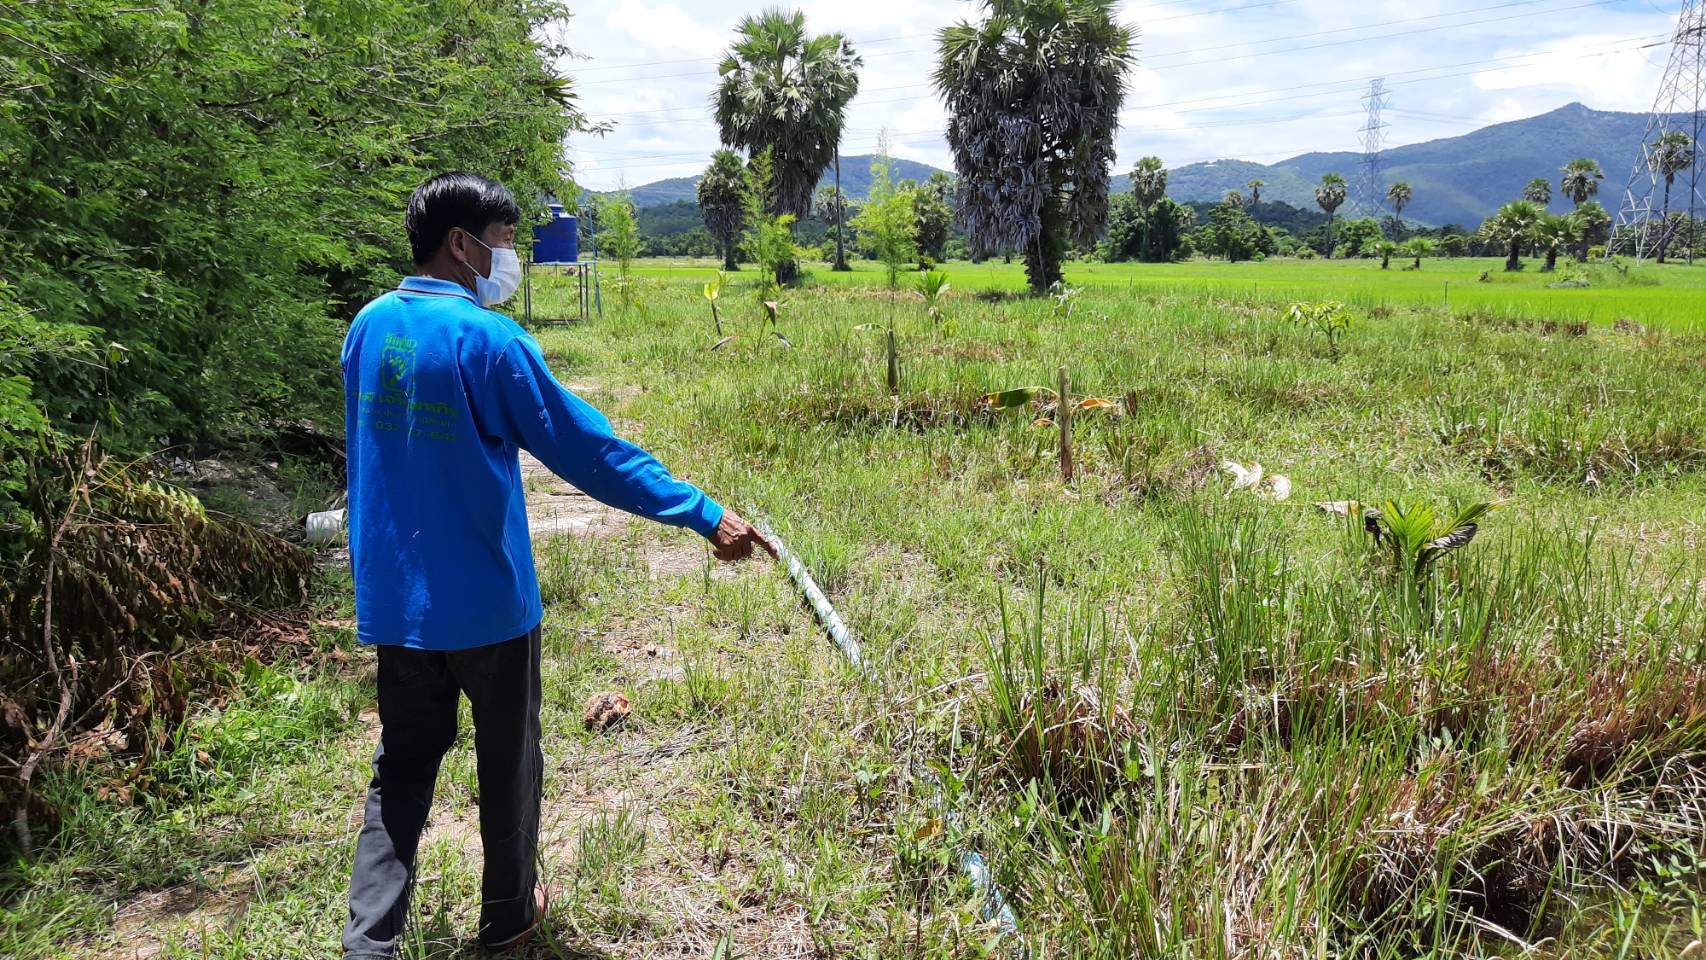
(1298,756)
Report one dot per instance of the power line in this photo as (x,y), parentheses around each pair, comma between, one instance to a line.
(885,53)
(1639,43)
(1250,56)
(661,160)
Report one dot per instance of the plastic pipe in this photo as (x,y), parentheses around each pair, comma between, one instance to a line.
(995,908)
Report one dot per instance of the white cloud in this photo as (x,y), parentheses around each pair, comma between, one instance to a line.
(1253,79)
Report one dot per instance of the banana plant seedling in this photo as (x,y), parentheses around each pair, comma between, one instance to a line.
(771,320)
(713,290)
(1414,535)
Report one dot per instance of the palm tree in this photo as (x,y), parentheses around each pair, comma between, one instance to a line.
(1593,224)
(1512,227)
(1399,195)
(1420,247)
(1234,198)
(786,92)
(1384,249)
(1256,191)
(1330,195)
(1581,179)
(1033,94)
(1554,233)
(1539,190)
(1669,155)
(722,203)
(1149,185)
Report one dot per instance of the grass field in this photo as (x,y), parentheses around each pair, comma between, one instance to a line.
(1179,720)
(1669,295)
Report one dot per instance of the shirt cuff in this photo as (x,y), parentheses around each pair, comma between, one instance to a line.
(704,523)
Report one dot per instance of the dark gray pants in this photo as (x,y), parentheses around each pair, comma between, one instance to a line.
(418,692)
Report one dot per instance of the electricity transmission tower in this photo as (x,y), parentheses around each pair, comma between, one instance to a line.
(1668,172)
(1369,192)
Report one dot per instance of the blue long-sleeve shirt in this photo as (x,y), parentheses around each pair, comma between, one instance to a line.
(439,397)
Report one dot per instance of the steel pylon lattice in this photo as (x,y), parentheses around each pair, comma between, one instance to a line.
(1370,198)
(1665,182)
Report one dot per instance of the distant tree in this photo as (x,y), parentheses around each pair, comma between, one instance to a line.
(1358,236)
(784,91)
(1594,225)
(1155,235)
(619,239)
(1170,229)
(1669,155)
(826,203)
(1384,249)
(1330,195)
(1149,186)
(769,235)
(1420,247)
(722,203)
(1033,94)
(1552,234)
(1398,195)
(1256,192)
(1511,228)
(1539,190)
(934,217)
(1230,232)
(1453,244)
(888,224)
(1581,179)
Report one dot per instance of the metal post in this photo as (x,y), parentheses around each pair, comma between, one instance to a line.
(527,291)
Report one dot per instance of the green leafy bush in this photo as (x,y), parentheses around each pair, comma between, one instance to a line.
(219,186)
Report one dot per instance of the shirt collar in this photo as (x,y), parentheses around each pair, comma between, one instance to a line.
(436,287)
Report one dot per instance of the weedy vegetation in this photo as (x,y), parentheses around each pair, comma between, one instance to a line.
(1462,713)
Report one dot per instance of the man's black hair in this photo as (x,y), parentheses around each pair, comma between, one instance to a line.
(456,199)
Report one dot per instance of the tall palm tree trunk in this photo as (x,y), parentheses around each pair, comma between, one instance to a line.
(729,263)
(1329,235)
(840,217)
(1513,261)
(1042,254)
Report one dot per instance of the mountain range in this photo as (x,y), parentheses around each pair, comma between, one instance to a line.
(855,181)
(1460,179)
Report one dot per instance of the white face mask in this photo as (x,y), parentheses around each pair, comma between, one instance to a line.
(505,278)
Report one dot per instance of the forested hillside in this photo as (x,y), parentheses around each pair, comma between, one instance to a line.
(1458,180)
(855,181)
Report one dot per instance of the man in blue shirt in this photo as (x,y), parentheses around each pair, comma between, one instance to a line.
(440,395)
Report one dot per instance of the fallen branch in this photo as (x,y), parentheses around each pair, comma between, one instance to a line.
(43,747)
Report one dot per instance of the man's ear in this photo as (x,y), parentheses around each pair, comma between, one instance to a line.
(456,242)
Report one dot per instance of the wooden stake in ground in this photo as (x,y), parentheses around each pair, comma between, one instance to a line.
(1063,414)
(894,367)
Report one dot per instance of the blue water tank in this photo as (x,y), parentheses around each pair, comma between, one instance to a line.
(557,240)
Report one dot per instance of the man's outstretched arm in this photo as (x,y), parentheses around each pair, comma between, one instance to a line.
(528,407)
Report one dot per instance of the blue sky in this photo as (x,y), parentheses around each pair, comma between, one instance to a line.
(1255,79)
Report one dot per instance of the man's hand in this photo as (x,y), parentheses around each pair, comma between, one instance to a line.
(734,538)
